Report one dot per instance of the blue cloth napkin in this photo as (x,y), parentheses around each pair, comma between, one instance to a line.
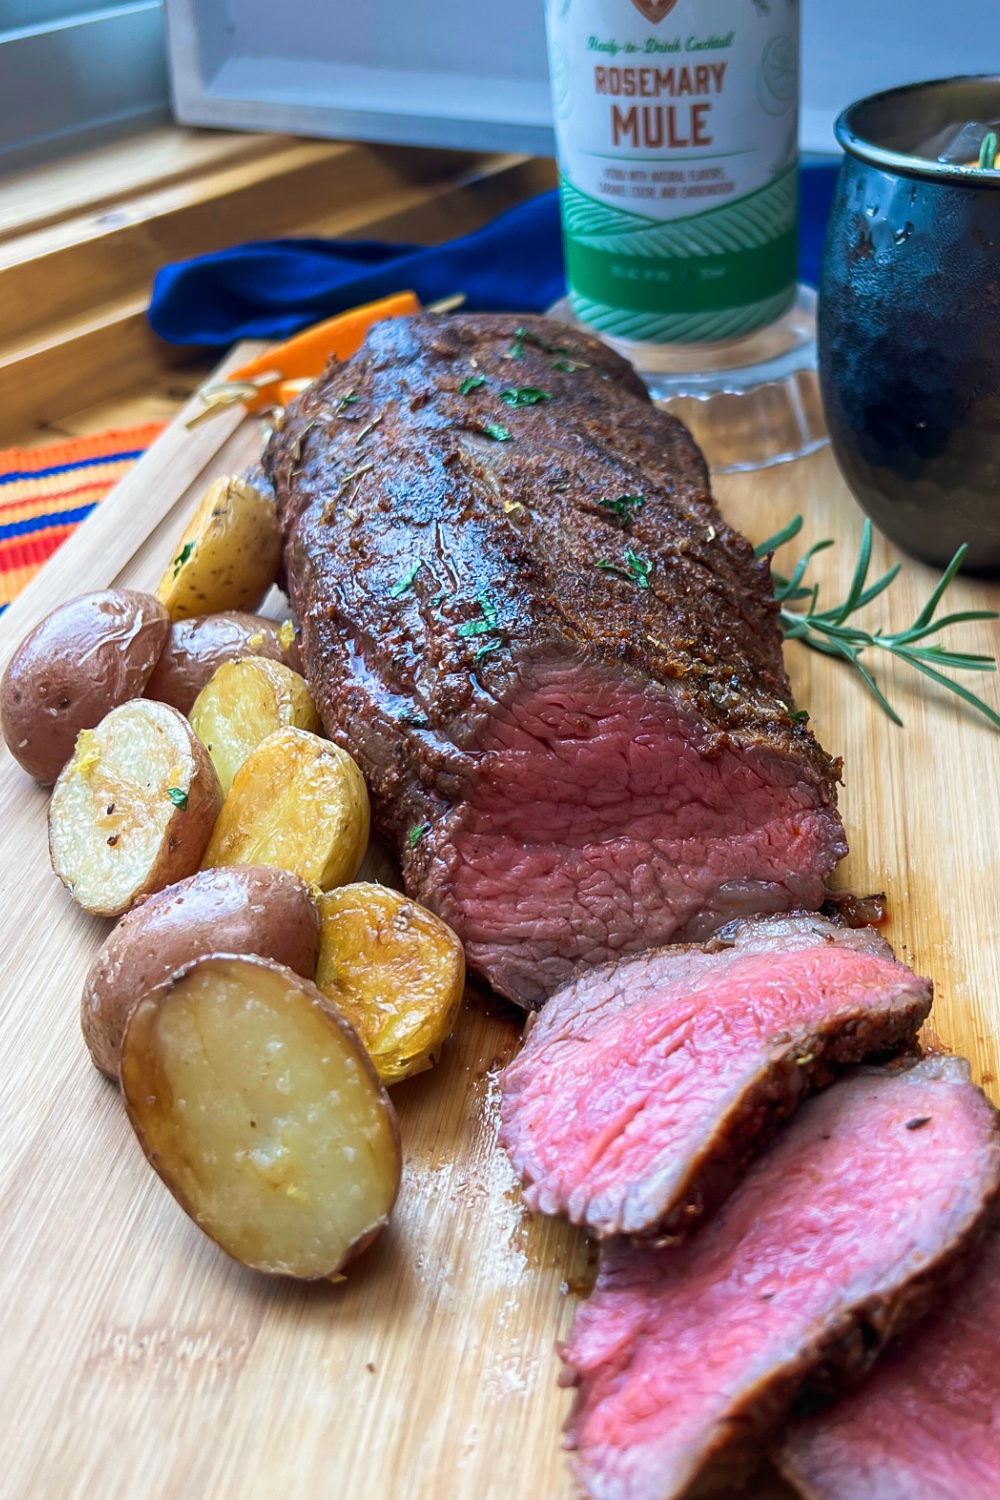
(271,288)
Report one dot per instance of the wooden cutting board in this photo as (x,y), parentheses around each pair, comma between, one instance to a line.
(138,1363)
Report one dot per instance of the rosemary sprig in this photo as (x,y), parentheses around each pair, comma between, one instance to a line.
(828,630)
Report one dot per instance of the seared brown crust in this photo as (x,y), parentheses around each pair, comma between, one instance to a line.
(384,460)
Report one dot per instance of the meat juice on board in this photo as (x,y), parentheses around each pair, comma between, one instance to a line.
(677,137)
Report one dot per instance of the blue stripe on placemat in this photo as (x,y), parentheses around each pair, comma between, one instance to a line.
(47,521)
(79,463)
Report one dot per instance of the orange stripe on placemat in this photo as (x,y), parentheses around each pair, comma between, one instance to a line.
(45,493)
(99,445)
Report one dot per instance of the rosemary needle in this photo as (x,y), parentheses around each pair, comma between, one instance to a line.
(829,630)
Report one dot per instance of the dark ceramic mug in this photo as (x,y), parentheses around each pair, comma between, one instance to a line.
(909,323)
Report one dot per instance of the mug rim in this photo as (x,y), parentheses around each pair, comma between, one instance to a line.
(858,145)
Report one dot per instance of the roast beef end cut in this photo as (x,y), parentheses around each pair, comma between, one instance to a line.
(926,1424)
(688,1358)
(645,1086)
(558,668)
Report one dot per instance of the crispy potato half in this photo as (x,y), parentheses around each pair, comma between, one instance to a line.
(85,658)
(255,1102)
(297,802)
(244,703)
(396,971)
(133,809)
(243,909)
(228,557)
(196,648)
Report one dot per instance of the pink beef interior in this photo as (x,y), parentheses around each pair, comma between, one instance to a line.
(674,1345)
(606,819)
(926,1425)
(628,1078)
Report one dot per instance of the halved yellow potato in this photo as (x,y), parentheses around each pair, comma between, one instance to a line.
(228,557)
(197,647)
(257,1105)
(396,971)
(133,809)
(297,802)
(244,703)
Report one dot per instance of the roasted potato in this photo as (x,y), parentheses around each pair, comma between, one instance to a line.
(255,1102)
(245,909)
(133,809)
(244,703)
(396,971)
(228,557)
(85,658)
(297,802)
(196,648)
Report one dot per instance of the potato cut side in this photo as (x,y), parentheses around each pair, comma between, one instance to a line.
(228,557)
(244,703)
(134,808)
(396,971)
(240,909)
(297,802)
(197,647)
(257,1105)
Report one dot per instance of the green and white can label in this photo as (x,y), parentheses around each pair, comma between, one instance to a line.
(677,136)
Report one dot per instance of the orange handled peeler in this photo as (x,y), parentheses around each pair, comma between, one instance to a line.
(284,371)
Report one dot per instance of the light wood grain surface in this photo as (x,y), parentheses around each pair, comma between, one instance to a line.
(137,1362)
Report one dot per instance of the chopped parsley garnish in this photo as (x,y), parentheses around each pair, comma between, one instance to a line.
(406,578)
(486,648)
(496,431)
(471,383)
(636,569)
(440,597)
(417,833)
(487,624)
(347,400)
(800,716)
(624,506)
(525,395)
(523,336)
(178,797)
(182,557)
(569,365)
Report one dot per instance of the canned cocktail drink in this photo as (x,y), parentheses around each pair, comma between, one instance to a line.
(677,136)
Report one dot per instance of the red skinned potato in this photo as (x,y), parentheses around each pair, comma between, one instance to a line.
(83,660)
(256,1103)
(241,909)
(196,647)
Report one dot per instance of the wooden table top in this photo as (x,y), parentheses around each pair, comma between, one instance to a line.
(138,1363)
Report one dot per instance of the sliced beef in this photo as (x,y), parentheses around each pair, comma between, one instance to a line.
(687,1358)
(559,669)
(926,1425)
(644,1086)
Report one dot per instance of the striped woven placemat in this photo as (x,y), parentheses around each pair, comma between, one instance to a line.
(46,492)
